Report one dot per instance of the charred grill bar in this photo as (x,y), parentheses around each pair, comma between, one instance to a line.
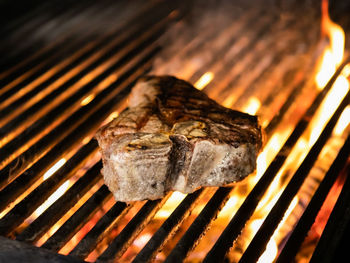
(76,69)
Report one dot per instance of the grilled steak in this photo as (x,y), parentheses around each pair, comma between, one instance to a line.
(173,137)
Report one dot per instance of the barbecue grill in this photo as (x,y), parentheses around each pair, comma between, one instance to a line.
(67,67)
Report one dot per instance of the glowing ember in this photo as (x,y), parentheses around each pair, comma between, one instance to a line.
(57,194)
(87,100)
(333,55)
(252,106)
(54,168)
(204,80)
(107,81)
(170,205)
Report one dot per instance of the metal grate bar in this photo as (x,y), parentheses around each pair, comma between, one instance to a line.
(235,33)
(245,51)
(334,242)
(199,226)
(169,227)
(234,228)
(258,244)
(282,51)
(195,45)
(10,192)
(8,150)
(102,227)
(76,221)
(108,45)
(51,49)
(307,219)
(132,229)
(257,64)
(270,128)
(30,46)
(53,213)
(33,200)
(71,26)
(104,102)
(21,16)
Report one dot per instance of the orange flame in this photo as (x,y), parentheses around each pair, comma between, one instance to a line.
(330,61)
(332,58)
(333,55)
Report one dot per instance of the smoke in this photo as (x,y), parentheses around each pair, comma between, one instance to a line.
(181,43)
(206,28)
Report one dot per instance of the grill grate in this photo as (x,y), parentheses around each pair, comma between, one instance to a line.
(74,73)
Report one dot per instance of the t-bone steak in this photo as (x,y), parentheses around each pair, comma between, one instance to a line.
(173,137)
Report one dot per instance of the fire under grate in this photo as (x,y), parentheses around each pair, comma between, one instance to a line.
(74,71)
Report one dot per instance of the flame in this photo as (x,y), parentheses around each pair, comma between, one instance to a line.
(333,55)
(204,80)
(332,58)
(271,250)
(330,104)
(346,70)
(269,152)
(270,253)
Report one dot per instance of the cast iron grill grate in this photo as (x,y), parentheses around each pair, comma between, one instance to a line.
(74,72)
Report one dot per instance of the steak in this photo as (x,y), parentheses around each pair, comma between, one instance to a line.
(173,137)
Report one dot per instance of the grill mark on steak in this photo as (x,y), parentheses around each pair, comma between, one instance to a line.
(177,157)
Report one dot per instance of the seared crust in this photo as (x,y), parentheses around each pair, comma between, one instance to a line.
(173,137)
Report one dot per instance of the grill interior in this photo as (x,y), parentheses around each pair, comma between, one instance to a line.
(67,68)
